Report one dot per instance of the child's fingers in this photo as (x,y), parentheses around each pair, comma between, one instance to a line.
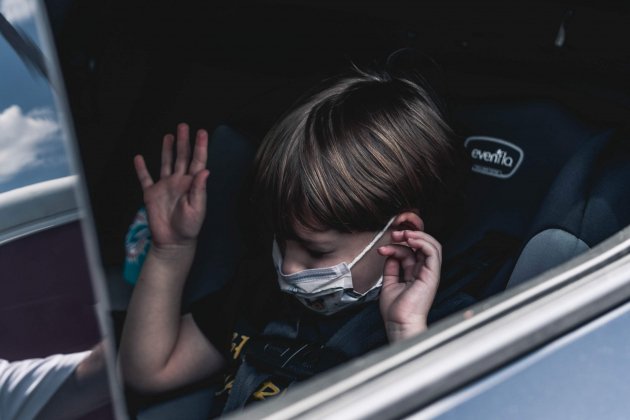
(398,235)
(197,193)
(391,271)
(183,149)
(427,256)
(399,252)
(143,174)
(200,153)
(419,235)
(405,257)
(432,255)
(167,155)
(409,266)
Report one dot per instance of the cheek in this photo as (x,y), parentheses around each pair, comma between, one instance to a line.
(367,271)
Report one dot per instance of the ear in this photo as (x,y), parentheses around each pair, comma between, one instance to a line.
(408,220)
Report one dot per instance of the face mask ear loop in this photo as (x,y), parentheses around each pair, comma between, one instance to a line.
(371,244)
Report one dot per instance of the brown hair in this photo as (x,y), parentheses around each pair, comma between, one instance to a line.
(360,150)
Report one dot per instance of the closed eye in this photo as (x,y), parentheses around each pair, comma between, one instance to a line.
(317,254)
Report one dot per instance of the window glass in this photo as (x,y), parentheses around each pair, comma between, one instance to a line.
(31,142)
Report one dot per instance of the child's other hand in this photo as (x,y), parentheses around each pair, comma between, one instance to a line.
(176,203)
(410,279)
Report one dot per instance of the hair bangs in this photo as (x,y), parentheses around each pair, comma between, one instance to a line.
(355,154)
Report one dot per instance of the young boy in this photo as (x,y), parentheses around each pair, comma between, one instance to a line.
(351,176)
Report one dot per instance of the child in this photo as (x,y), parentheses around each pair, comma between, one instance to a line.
(351,177)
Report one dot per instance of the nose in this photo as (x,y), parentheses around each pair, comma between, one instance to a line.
(290,266)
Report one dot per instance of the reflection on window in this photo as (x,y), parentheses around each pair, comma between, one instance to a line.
(31,143)
(17,11)
(31,149)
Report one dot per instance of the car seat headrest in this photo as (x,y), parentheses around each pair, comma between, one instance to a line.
(586,204)
(515,149)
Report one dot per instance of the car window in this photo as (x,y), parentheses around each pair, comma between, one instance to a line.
(55,356)
(32,138)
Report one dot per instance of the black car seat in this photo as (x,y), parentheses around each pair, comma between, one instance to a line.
(587,203)
(516,150)
(230,156)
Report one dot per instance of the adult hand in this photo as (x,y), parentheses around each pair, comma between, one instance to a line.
(176,203)
(410,279)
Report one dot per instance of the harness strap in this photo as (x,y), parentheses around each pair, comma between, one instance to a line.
(362,333)
(248,378)
(245,383)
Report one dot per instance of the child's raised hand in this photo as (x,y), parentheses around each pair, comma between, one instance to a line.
(410,279)
(176,203)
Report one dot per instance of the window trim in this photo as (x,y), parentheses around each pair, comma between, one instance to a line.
(37,207)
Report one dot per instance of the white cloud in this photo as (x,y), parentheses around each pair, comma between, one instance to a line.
(21,138)
(17,10)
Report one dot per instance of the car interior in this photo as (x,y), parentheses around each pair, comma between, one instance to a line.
(537,93)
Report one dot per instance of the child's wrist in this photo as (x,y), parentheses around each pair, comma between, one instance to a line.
(173,251)
(398,332)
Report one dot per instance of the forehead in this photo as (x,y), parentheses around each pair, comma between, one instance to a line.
(306,234)
(328,237)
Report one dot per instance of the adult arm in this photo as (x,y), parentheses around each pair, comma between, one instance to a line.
(26,386)
(84,391)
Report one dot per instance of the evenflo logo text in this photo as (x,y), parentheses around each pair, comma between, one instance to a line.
(500,156)
(493,157)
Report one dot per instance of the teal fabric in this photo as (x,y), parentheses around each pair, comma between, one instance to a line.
(137,244)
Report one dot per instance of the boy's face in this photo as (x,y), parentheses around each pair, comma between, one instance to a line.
(326,248)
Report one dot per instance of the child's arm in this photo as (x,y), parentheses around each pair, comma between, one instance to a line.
(405,302)
(160,349)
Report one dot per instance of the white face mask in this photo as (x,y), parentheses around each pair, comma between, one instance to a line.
(327,290)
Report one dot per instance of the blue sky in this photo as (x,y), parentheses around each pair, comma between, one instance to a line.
(31,145)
